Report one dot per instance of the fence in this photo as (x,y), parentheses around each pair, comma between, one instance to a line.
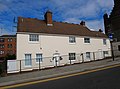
(58,60)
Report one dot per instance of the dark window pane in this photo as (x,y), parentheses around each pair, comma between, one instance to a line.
(119,47)
(72,56)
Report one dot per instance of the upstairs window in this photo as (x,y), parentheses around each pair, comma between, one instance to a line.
(104,42)
(9,39)
(2,46)
(2,40)
(1,52)
(10,52)
(86,40)
(9,45)
(72,39)
(33,37)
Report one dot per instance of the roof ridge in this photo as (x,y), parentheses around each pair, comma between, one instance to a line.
(53,21)
(57,28)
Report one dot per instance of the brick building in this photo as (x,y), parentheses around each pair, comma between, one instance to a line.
(112,26)
(7,45)
(112,22)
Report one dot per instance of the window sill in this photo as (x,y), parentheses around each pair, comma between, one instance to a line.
(33,42)
(87,43)
(72,43)
(38,62)
(72,60)
(104,45)
(28,65)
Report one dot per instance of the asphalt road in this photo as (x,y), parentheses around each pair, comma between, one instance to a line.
(104,79)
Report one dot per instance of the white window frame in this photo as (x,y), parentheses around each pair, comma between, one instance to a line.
(28,59)
(88,56)
(72,39)
(87,40)
(40,57)
(72,56)
(33,37)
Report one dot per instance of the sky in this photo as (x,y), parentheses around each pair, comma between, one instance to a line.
(71,11)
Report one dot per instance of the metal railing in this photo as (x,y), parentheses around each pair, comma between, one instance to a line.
(50,62)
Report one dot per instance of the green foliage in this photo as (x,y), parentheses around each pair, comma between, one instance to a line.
(0,69)
(3,68)
(3,63)
(10,57)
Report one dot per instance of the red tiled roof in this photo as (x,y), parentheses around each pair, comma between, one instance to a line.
(40,26)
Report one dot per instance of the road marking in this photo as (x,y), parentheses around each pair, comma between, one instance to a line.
(60,77)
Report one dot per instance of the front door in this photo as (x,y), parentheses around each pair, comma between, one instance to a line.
(56,59)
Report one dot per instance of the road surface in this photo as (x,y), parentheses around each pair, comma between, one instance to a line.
(104,79)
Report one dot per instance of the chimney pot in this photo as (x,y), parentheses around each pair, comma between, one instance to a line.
(82,23)
(100,30)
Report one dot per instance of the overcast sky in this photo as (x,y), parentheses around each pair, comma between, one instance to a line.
(72,11)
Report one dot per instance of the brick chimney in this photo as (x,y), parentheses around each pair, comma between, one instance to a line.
(106,23)
(48,18)
(82,23)
(100,30)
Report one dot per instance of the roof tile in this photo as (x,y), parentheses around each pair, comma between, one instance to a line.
(39,26)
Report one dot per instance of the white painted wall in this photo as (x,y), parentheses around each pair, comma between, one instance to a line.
(115,48)
(49,44)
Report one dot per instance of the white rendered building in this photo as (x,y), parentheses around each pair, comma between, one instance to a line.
(39,41)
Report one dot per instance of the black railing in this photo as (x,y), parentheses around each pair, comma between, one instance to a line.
(62,60)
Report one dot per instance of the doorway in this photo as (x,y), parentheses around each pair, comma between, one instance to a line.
(56,59)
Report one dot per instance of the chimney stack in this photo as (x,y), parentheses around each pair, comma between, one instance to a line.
(106,23)
(100,30)
(82,23)
(48,18)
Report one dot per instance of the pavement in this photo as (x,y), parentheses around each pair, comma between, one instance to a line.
(55,72)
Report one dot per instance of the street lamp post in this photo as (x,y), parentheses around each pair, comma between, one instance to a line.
(111,43)
(112,51)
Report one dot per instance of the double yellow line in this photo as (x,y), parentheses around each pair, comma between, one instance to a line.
(60,77)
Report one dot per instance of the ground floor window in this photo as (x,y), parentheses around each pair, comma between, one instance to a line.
(87,55)
(118,47)
(105,52)
(2,52)
(28,60)
(72,56)
(39,58)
